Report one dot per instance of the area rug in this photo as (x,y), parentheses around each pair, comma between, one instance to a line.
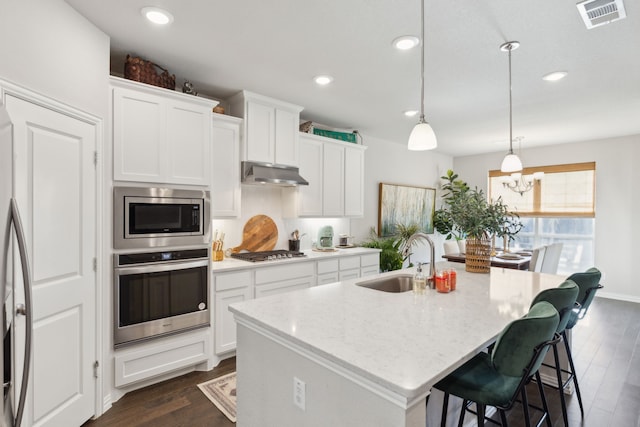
(222,392)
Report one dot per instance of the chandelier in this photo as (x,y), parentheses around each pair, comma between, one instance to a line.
(521,183)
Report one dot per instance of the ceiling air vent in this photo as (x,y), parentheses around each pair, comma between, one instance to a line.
(599,12)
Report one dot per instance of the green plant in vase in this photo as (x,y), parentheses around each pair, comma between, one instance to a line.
(466,213)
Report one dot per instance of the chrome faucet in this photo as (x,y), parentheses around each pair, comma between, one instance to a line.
(432,267)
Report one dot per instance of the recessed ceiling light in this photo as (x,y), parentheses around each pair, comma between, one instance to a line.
(555,76)
(411,113)
(157,15)
(405,42)
(323,80)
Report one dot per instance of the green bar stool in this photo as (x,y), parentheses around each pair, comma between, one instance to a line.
(498,378)
(563,298)
(588,283)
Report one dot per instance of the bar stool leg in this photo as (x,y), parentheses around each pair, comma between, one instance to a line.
(573,372)
(480,414)
(563,402)
(462,413)
(525,407)
(445,408)
(545,407)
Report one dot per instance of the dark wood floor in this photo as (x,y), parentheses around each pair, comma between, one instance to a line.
(606,347)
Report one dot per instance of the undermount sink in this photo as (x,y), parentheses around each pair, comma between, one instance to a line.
(399,283)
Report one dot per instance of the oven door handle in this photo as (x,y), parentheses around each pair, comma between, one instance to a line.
(161,267)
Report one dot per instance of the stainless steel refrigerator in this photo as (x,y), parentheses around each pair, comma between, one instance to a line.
(13,253)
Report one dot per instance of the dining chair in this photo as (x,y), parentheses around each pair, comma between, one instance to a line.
(499,377)
(535,264)
(563,298)
(451,247)
(551,258)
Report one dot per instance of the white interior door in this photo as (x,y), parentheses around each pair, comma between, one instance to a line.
(55,184)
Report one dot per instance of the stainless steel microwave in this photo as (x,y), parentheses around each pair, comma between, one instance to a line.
(145,217)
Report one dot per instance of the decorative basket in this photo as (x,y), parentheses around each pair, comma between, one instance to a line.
(478,256)
(143,71)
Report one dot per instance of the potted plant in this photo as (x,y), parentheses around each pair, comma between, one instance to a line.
(390,255)
(466,213)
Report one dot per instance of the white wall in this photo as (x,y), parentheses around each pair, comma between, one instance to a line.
(617,200)
(391,162)
(51,49)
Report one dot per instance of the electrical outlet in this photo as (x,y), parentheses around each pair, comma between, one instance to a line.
(299,393)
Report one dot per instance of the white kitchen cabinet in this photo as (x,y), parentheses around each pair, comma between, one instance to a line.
(333,180)
(327,271)
(369,264)
(159,135)
(270,128)
(225,167)
(229,288)
(284,278)
(335,171)
(309,197)
(349,268)
(161,356)
(353,180)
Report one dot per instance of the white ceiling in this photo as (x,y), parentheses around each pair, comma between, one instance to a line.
(276,47)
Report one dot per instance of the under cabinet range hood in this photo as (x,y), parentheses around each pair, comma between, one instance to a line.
(265,173)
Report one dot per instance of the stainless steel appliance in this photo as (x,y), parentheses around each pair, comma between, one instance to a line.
(145,217)
(267,255)
(159,293)
(13,248)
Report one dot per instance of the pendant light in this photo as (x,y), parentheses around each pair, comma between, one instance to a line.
(422,136)
(511,162)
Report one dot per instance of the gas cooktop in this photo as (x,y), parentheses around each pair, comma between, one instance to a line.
(267,255)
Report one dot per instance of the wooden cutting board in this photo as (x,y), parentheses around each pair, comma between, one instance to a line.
(259,234)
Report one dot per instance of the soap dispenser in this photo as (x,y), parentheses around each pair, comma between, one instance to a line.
(419,281)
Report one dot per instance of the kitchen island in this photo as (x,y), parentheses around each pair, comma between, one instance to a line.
(346,355)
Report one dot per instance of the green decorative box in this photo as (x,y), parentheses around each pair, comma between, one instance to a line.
(342,136)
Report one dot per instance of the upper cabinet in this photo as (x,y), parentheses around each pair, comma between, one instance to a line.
(335,171)
(270,128)
(159,135)
(225,173)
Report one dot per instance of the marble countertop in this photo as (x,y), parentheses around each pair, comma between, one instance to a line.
(229,263)
(401,341)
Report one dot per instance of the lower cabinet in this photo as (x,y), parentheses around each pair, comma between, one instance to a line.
(369,265)
(162,356)
(229,288)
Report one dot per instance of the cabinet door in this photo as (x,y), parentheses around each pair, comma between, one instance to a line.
(188,143)
(286,137)
(260,137)
(284,286)
(354,181)
(225,324)
(333,180)
(349,274)
(139,136)
(225,167)
(310,196)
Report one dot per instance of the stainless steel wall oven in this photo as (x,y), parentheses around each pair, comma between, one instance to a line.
(160,293)
(145,217)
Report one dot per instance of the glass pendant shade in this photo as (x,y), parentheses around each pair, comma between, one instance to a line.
(422,137)
(511,163)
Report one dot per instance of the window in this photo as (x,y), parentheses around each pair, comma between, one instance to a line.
(559,208)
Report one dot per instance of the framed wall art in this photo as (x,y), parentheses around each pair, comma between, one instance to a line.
(406,205)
